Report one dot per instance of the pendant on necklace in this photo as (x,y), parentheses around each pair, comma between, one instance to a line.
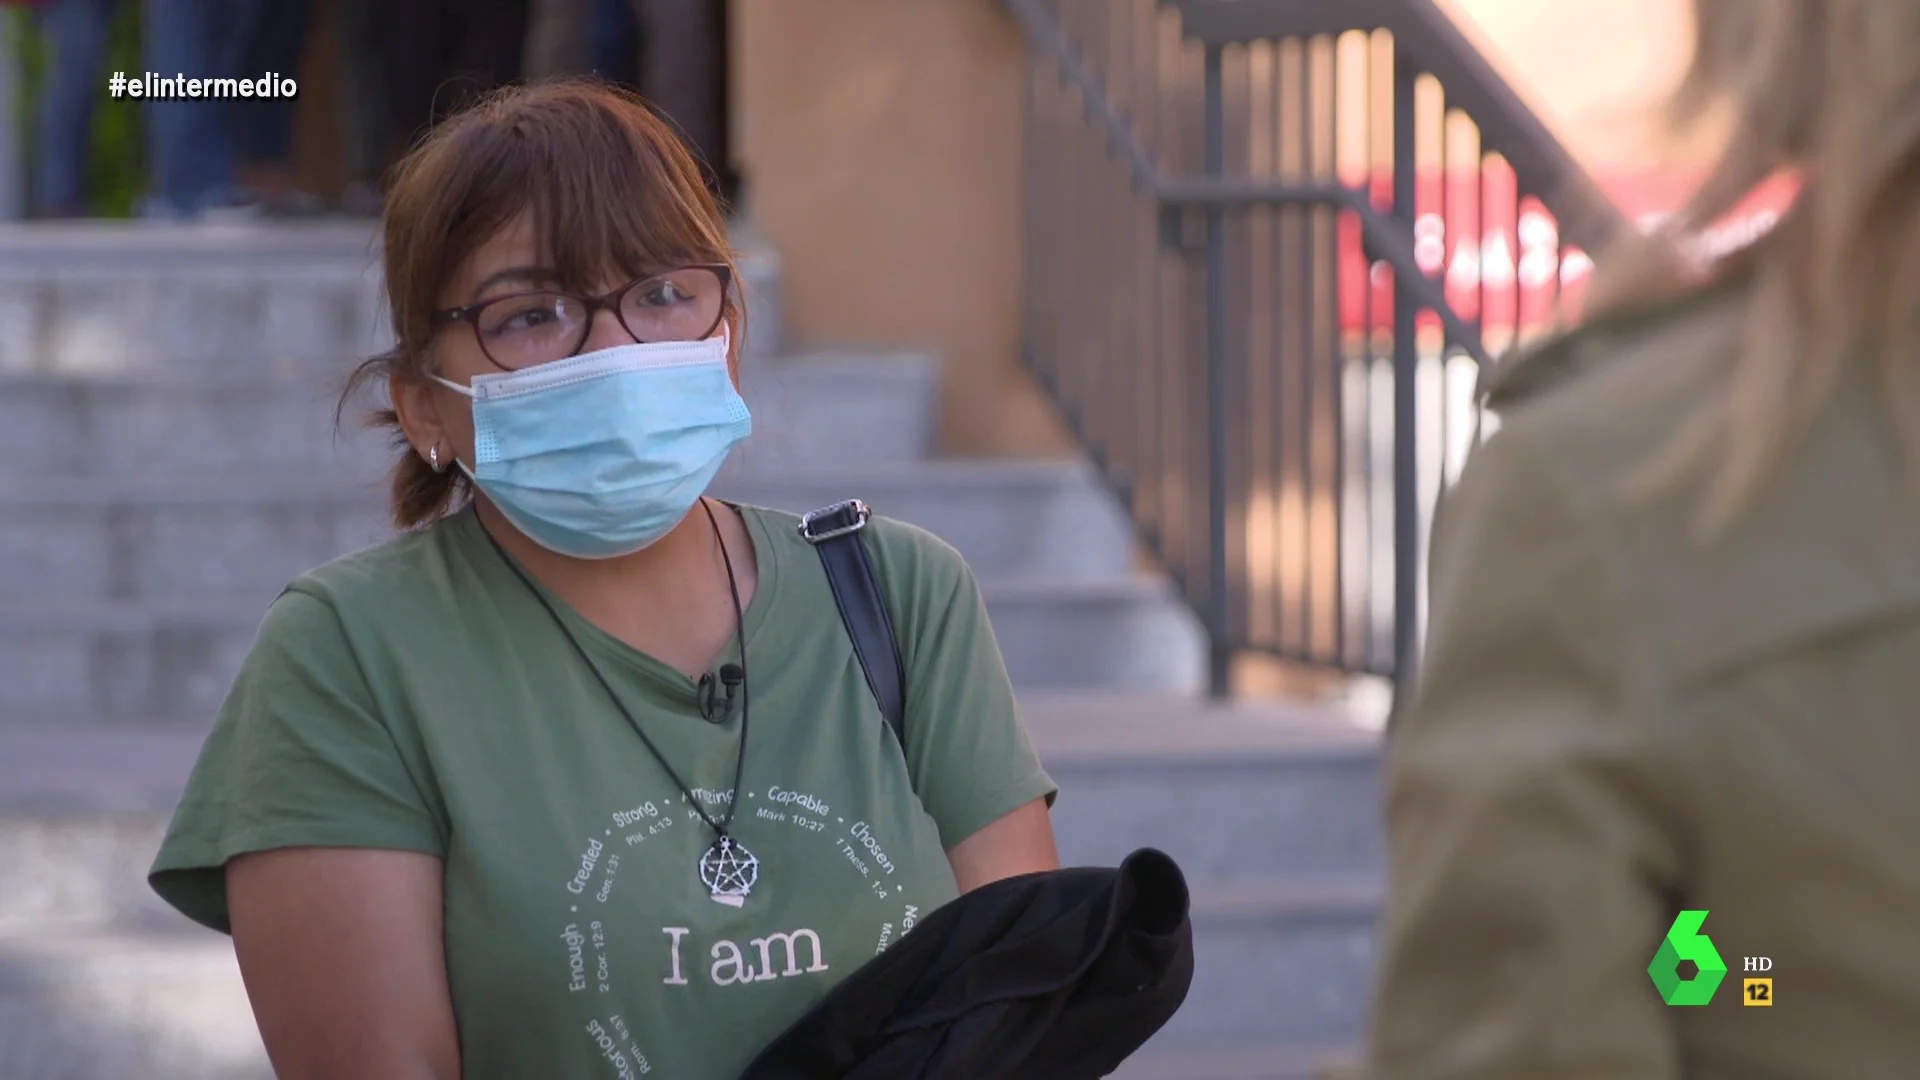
(729,871)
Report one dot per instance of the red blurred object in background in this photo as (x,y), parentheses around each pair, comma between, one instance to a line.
(1500,258)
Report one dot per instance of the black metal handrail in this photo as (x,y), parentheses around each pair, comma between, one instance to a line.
(1430,42)
(1395,245)
(1124,263)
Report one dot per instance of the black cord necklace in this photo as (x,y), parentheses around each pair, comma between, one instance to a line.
(727,869)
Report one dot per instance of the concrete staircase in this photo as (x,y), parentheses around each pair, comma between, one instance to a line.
(167,461)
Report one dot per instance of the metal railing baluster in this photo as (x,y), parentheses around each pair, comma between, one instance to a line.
(1143,317)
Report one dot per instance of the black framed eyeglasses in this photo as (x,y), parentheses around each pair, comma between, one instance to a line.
(525,329)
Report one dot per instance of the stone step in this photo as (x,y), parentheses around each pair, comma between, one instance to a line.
(198,306)
(846,406)
(1270,810)
(97,541)
(176,659)
(1238,793)
(1127,635)
(146,427)
(1283,942)
(1287,967)
(244,537)
(162,1006)
(1290,962)
(105,298)
(1279,962)
(167,1004)
(842,408)
(1011,520)
(83,807)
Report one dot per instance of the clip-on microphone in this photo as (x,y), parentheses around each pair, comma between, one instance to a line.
(716,710)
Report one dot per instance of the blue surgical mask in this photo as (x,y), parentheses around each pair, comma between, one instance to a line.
(602,454)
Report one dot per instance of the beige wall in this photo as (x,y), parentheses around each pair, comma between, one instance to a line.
(1595,70)
(880,139)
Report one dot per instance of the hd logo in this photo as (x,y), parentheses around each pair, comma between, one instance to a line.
(1686,942)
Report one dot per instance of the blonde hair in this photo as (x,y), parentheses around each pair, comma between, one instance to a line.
(1828,90)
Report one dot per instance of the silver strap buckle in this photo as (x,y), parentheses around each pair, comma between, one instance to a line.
(857,512)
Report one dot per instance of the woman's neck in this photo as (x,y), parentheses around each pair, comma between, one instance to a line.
(683,574)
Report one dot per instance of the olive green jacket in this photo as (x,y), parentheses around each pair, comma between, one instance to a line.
(1616,721)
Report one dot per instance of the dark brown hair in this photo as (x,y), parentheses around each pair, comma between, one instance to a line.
(611,192)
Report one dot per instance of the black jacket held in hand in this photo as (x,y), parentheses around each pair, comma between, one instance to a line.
(1057,975)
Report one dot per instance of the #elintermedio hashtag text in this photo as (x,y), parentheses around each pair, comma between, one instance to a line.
(180,88)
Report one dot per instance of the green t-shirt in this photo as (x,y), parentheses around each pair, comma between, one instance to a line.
(417,696)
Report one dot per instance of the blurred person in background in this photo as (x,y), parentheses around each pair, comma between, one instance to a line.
(559,38)
(206,155)
(267,36)
(441,55)
(672,51)
(683,73)
(77,32)
(1671,662)
(362,104)
(190,147)
(220,157)
(614,41)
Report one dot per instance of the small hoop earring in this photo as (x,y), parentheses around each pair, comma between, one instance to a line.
(433,460)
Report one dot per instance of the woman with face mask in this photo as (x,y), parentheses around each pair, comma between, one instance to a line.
(581,775)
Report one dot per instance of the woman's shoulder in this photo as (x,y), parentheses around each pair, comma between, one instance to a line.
(1582,421)
(400,572)
(1635,352)
(1591,405)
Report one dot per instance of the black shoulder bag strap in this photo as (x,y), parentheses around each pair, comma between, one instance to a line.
(834,531)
